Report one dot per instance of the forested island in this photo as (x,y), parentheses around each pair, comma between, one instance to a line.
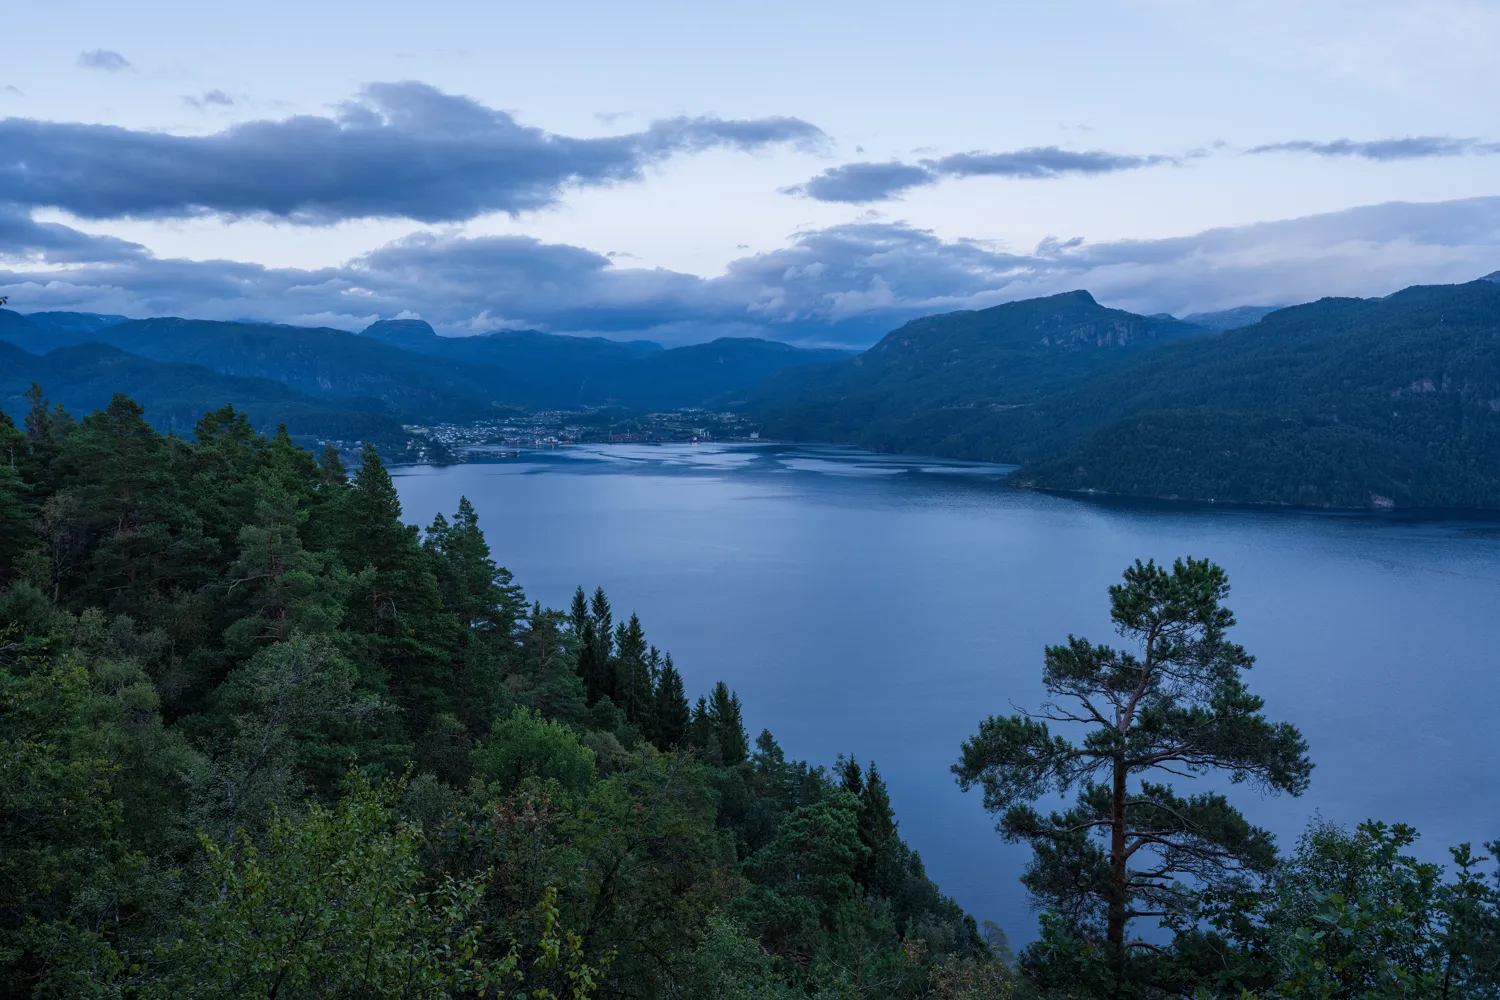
(260,738)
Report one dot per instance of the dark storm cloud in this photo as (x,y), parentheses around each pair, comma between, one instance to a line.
(861,183)
(1408,148)
(844,284)
(110,62)
(24,239)
(403,150)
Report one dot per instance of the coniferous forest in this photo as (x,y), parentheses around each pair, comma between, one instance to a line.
(260,738)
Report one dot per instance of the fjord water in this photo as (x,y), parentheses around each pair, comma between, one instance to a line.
(882,606)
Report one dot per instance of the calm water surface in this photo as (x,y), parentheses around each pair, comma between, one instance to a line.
(882,606)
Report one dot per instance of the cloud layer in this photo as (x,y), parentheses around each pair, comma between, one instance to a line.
(1408,148)
(862,183)
(402,150)
(843,285)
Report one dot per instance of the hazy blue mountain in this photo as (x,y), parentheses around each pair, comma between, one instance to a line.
(1230,319)
(80,322)
(552,371)
(15,328)
(720,372)
(322,363)
(84,377)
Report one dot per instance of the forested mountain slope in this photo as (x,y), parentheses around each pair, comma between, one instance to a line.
(931,380)
(178,395)
(1340,402)
(1345,402)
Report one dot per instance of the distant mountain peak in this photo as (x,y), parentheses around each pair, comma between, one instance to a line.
(1492,276)
(391,329)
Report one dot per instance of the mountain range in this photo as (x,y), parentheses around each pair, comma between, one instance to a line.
(1340,402)
(394,372)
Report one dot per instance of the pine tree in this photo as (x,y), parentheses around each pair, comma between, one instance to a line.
(119,470)
(396,607)
(1177,705)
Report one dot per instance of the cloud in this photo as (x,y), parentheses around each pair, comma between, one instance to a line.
(861,183)
(845,284)
(1408,148)
(401,150)
(214,98)
(1042,162)
(12,89)
(110,62)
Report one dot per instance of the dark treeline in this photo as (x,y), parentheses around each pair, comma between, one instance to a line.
(259,738)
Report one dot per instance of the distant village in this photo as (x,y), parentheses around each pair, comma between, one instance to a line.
(557,428)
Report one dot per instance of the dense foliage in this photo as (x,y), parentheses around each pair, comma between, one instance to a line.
(260,738)
(1341,402)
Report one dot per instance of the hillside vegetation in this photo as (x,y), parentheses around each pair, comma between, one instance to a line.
(260,738)
(924,384)
(1341,402)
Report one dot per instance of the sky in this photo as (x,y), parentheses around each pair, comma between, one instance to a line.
(814,173)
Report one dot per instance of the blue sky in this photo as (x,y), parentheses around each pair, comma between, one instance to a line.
(810,172)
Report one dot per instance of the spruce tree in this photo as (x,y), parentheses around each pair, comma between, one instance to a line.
(728,725)
(701,732)
(578,615)
(851,776)
(1174,704)
(604,621)
(632,675)
(672,712)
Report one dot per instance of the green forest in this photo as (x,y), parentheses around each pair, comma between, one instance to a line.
(261,738)
(1389,402)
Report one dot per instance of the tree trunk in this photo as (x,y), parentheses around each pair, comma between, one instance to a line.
(1115,931)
